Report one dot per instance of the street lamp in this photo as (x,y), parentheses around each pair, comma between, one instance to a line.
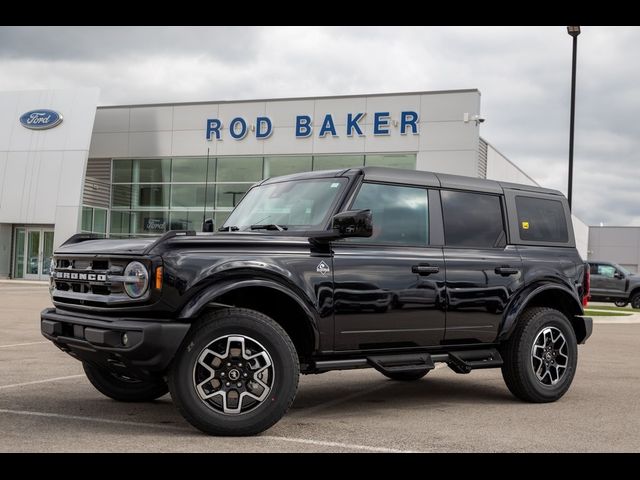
(574,32)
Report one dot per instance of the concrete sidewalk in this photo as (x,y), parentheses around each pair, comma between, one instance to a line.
(23,282)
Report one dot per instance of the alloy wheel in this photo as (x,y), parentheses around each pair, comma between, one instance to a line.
(234,374)
(549,356)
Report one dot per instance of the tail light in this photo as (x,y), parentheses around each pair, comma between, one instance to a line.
(586,285)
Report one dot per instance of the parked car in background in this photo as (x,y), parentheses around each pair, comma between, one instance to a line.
(612,283)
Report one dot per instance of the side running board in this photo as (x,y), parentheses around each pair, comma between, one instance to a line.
(402,363)
(467,360)
(461,361)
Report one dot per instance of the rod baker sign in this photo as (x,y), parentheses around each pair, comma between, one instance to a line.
(352,125)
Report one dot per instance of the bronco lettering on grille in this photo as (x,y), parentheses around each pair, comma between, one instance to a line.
(91,277)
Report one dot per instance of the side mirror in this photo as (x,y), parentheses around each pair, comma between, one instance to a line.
(353,223)
(619,275)
(207,226)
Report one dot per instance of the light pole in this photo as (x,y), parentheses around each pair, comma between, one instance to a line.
(574,32)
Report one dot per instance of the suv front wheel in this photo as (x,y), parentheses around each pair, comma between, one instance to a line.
(123,388)
(235,374)
(540,357)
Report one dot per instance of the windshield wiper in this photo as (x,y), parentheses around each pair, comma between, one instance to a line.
(269,226)
(229,229)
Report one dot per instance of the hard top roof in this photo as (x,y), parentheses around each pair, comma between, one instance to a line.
(417,178)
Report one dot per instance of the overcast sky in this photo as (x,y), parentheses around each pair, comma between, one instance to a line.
(523,74)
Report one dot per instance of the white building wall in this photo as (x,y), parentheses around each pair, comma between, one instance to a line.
(5,249)
(42,171)
(445,143)
(620,245)
(500,168)
(581,232)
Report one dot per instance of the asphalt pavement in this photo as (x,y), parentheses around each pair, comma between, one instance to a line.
(47,405)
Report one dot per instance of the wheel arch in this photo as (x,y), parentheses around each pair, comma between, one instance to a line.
(289,309)
(551,295)
(634,291)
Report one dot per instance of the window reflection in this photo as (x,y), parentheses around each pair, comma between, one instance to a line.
(171,192)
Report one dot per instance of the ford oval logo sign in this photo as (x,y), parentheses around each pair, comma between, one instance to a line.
(41,119)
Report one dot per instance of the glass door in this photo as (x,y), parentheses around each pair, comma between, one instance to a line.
(33,259)
(18,269)
(33,252)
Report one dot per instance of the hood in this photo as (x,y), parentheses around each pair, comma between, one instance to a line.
(138,246)
(126,246)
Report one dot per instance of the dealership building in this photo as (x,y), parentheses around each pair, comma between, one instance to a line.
(68,165)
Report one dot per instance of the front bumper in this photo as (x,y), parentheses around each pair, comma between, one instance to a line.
(150,345)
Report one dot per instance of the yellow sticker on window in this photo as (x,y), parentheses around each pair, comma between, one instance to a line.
(525,225)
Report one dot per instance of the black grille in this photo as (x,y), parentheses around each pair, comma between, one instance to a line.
(89,281)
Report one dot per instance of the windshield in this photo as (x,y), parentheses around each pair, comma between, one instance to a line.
(296,205)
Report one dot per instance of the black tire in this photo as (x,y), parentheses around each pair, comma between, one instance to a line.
(407,376)
(122,388)
(635,301)
(257,329)
(518,368)
(621,303)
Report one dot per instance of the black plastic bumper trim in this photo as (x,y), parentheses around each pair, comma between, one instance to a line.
(150,345)
(588,329)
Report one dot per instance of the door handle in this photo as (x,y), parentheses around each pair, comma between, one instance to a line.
(424,269)
(506,271)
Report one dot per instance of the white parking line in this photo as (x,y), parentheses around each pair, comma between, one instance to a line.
(94,419)
(321,443)
(23,344)
(35,382)
(349,446)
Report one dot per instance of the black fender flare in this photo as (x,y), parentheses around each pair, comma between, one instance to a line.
(524,298)
(208,296)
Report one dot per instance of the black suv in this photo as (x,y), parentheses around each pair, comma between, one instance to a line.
(365,267)
(612,283)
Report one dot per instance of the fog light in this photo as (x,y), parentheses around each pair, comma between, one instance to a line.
(125,339)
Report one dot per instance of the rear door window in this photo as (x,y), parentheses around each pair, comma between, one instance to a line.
(472,220)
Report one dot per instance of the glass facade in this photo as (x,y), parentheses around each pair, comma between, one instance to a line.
(94,220)
(150,196)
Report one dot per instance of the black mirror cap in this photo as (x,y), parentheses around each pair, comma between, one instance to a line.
(619,275)
(207,226)
(353,223)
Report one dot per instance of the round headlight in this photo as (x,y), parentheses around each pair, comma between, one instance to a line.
(136,279)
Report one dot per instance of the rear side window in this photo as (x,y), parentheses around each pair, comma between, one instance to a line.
(472,220)
(541,220)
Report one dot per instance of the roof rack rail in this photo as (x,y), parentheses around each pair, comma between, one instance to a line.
(81,237)
(170,234)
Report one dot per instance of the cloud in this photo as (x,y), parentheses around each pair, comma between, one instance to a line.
(522,72)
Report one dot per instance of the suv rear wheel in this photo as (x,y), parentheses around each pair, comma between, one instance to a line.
(123,388)
(540,357)
(621,303)
(235,374)
(635,300)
